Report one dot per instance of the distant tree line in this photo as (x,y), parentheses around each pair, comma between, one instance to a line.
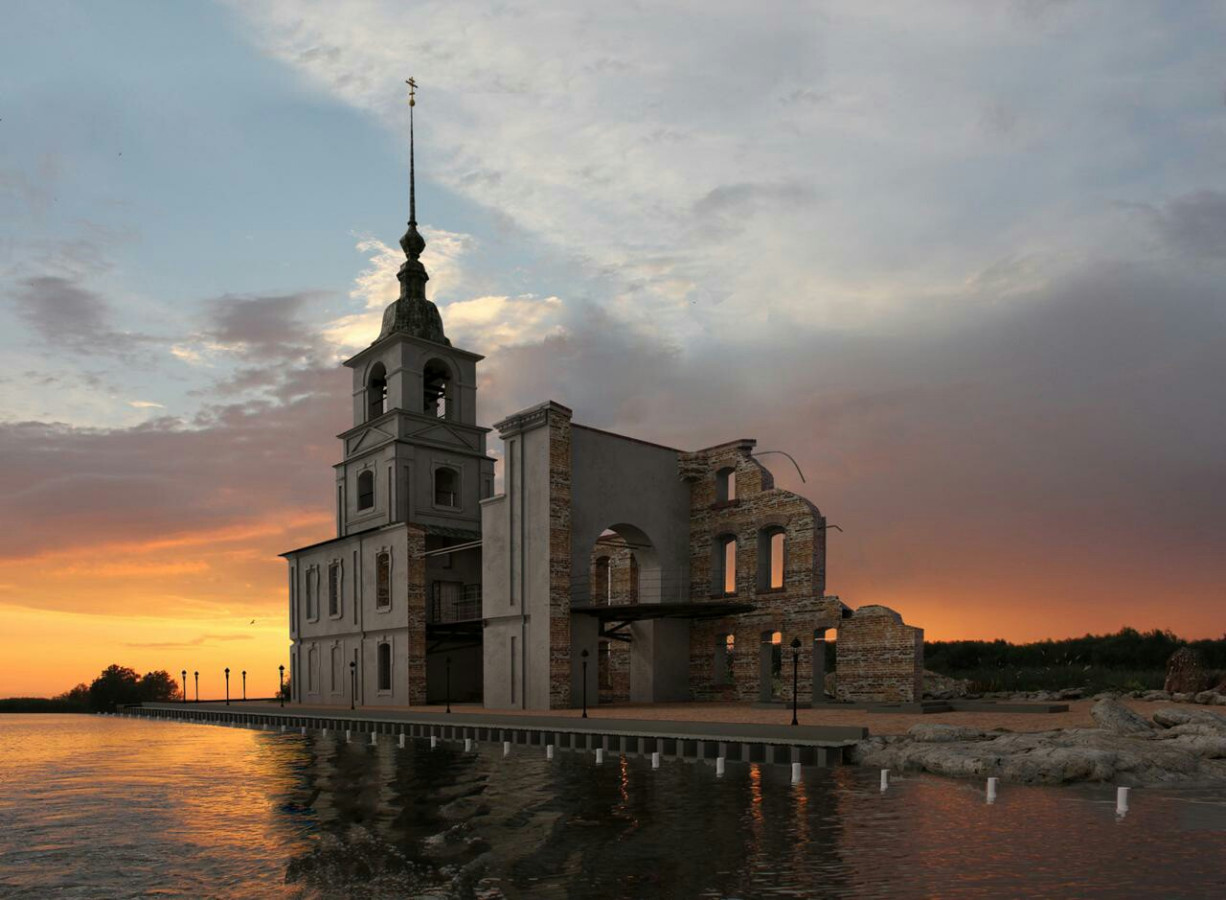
(117,686)
(1126,649)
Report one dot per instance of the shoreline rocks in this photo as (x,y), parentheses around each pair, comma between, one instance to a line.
(1177,747)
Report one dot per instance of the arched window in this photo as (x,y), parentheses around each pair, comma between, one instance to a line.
(725,485)
(446,487)
(366,489)
(772,550)
(602,584)
(385,666)
(436,389)
(723,565)
(376,392)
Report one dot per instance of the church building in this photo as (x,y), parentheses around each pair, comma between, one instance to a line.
(610,569)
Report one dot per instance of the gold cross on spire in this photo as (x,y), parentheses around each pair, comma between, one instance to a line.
(412,91)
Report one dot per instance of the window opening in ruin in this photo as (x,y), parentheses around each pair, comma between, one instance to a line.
(772,549)
(385,666)
(383,579)
(730,565)
(777,663)
(436,390)
(445,487)
(376,392)
(725,485)
(776,562)
(633,592)
(366,489)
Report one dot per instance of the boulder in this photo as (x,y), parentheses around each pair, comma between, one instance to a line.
(1171,716)
(937,733)
(1206,698)
(1114,716)
(1156,695)
(1185,672)
(944,687)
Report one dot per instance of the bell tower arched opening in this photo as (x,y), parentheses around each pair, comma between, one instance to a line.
(376,391)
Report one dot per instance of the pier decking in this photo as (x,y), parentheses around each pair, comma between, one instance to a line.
(696,740)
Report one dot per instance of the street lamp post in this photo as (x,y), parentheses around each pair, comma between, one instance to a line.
(185,685)
(353,684)
(795,676)
(227,685)
(197,674)
(448,684)
(244,684)
(584,655)
(281,692)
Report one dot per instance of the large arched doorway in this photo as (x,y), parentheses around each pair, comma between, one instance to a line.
(624,656)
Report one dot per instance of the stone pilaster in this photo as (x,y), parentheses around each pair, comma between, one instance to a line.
(560,662)
(416,537)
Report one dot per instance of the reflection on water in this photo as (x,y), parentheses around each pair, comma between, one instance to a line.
(109,807)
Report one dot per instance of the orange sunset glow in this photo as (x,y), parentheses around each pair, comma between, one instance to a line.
(991,341)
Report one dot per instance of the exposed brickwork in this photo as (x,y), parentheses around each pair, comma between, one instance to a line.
(416,536)
(798,609)
(559,557)
(880,658)
(623,589)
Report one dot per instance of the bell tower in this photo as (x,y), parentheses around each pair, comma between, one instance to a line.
(414,453)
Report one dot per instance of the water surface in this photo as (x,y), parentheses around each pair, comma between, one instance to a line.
(112,807)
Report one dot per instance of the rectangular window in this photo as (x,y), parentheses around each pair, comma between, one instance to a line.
(385,667)
(312,595)
(383,580)
(448,601)
(334,589)
(512,669)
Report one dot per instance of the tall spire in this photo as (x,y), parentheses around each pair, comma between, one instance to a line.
(412,193)
(413,313)
(412,243)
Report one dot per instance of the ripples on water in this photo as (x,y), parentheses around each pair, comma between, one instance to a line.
(112,807)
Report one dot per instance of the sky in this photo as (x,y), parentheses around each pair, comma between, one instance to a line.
(964,260)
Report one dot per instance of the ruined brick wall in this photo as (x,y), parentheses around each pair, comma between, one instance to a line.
(798,609)
(880,658)
(559,557)
(416,574)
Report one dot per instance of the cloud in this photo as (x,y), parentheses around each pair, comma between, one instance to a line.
(65,314)
(1195,223)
